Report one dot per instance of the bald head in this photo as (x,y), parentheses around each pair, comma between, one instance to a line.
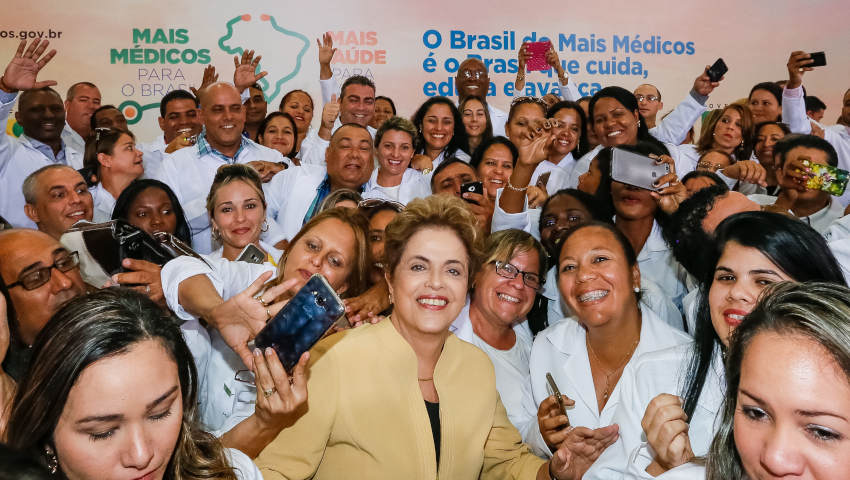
(223,116)
(472,79)
(208,95)
(57,197)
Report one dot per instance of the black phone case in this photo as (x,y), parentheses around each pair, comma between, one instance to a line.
(819,59)
(302,322)
(472,187)
(716,71)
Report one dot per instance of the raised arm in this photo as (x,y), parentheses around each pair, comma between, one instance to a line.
(327,81)
(674,127)
(793,100)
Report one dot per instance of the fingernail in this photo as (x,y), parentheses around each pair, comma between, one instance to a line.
(126,262)
(257,352)
(269,351)
(115,278)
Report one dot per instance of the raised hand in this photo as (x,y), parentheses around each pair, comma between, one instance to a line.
(22,72)
(146,276)
(241,317)
(580,449)
(536,196)
(666,427)
(748,171)
(522,56)
(797,66)
(703,85)
(367,306)
(326,49)
(330,111)
(246,74)
(209,78)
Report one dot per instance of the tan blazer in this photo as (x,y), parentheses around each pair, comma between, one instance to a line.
(367,418)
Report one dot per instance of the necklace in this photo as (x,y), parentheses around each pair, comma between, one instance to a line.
(608,375)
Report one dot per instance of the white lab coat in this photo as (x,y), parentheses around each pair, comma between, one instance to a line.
(18,159)
(224,401)
(821,221)
(511,366)
(104,203)
(153,155)
(654,373)
(643,456)
(289,195)
(562,351)
(657,263)
(191,174)
(269,249)
(794,115)
(313,146)
(413,185)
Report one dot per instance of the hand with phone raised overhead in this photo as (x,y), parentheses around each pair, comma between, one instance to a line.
(666,426)
(798,63)
(704,84)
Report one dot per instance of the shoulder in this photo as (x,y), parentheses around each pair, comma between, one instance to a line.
(263,152)
(243,466)
(557,334)
(660,332)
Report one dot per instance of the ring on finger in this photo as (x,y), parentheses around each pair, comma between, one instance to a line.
(268,393)
(259,298)
(268,314)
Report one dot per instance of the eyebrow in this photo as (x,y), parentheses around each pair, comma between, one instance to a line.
(115,417)
(36,264)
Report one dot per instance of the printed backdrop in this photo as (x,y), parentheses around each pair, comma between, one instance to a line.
(137,51)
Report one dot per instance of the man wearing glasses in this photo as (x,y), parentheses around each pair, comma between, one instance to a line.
(38,276)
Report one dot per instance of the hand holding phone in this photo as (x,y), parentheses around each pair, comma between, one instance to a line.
(302,322)
(471,187)
(636,169)
(717,70)
(252,254)
(818,59)
(827,178)
(558,397)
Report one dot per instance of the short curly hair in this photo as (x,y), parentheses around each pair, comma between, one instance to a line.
(437,211)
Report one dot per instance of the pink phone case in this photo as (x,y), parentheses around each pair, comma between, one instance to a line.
(537,62)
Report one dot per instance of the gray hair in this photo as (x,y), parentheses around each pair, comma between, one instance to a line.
(819,311)
(30,185)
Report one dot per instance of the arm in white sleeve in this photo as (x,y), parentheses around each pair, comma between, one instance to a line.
(7,102)
(503,220)
(674,127)
(313,149)
(569,91)
(794,111)
(330,87)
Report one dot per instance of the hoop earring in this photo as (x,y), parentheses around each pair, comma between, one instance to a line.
(265,227)
(52,461)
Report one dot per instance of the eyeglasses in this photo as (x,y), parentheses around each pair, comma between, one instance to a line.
(474,75)
(648,98)
(530,279)
(38,277)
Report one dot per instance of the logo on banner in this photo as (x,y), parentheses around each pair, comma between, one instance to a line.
(167,47)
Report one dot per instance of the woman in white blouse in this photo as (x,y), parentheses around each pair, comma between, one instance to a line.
(441,134)
(589,353)
(111,155)
(494,317)
(675,394)
(393,180)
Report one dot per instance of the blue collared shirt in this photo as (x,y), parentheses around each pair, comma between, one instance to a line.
(204,148)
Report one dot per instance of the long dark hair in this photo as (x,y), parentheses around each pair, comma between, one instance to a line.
(459,138)
(793,246)
(265,123)
(488,129)
(93,327)
(122,205)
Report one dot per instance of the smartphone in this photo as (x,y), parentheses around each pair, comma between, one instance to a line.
(252,254)
(558,395)
(827,178)
(717,70)
(472,187)
(302,322)
(537,62)
(818,59)
(636,170)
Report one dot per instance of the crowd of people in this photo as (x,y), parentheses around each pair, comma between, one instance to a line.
(511,309)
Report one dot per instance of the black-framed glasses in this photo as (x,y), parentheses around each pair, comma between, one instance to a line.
(38,277)
(530,279)
(648,98)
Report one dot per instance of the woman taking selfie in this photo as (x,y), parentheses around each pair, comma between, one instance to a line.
(80,411)
(232,299)
(236,205)
(440,413)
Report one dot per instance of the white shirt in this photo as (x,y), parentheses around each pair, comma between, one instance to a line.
(190,174)
(73,140)
(657,263)
(104,203)
(794,115)
(153,155)
(228,401)
(561,350)
(272,252)
(243,466)
(654,373)
(313,146)
(413,185)
(821,220)
(674,127)
(18,159)
(289,195)
(511,366)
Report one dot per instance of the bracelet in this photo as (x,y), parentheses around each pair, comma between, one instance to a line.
(516,189)
(5,87)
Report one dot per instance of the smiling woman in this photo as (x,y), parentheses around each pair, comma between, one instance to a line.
(79,410)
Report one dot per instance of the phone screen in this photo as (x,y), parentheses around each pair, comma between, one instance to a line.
(827,178)
(302,322)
